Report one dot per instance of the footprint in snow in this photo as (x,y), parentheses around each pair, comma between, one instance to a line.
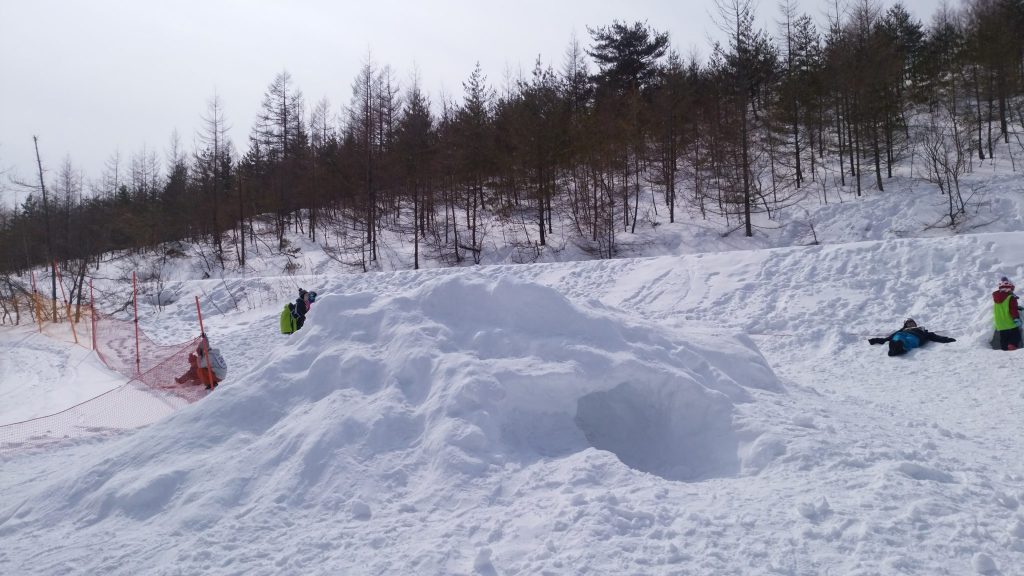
(919,472)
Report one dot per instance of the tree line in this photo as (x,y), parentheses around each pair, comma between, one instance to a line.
(625,132)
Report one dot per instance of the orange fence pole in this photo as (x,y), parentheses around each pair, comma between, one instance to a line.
(205,343)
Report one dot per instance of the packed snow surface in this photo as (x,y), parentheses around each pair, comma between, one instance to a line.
(706,413)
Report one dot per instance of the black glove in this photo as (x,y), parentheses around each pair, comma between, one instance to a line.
(876,340)
(952,339)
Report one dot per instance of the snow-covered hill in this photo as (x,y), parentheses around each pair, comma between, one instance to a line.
(711,412)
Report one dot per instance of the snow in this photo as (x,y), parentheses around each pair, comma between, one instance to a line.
(714,409)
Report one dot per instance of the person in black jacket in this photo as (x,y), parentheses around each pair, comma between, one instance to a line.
(909,337)
(301,305)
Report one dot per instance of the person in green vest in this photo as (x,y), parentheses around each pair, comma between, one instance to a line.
(289,319)
(1006,316)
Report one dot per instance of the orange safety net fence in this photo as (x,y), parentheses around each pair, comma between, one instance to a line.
(150,394)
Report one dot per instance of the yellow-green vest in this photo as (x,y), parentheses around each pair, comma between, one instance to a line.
(287,321)
(1001,314)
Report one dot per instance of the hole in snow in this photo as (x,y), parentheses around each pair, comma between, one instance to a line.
(678,431)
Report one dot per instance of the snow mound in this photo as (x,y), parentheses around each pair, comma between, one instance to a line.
(435,386)
(481,384)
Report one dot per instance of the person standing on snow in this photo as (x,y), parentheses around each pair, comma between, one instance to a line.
(302,304)
(300,309)
(1006,316)
(909,337)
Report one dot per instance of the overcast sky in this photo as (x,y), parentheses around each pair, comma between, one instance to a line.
(93,77)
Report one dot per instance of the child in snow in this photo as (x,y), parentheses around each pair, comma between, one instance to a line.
(302,305)
(909,337)
(200,371)
(300,309)
(289,319)
(1006,316)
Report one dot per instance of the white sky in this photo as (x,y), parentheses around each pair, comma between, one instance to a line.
(90,78)
(715,413)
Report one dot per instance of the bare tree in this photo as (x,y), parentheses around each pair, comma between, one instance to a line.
(111,178)
(475,150)
(415,146)
(945,144)
(323,151)
(212,170)
(749,62)
(51,261)
(279,136)
(363,130)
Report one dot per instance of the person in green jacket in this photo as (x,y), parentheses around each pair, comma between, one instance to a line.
(289,319)
(1006,316)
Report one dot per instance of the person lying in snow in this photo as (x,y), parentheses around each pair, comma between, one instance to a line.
(202,372)
(909,337)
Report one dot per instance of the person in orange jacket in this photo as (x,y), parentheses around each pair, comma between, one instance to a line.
(200,371)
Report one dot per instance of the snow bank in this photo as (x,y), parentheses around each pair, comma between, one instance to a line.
(437,386)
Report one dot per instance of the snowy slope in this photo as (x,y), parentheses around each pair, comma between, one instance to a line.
(702,414)
(712,410)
